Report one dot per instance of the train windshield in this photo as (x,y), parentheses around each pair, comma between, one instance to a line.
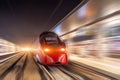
(51,40)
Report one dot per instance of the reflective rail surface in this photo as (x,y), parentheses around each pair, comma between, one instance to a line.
(7,56)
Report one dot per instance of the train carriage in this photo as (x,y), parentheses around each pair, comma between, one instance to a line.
(52,50)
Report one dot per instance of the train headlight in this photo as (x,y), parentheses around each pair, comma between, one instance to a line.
(46,50)
(62,49)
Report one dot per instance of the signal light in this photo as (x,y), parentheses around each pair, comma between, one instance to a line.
(62,49)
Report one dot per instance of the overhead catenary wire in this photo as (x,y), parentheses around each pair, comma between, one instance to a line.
(53,13)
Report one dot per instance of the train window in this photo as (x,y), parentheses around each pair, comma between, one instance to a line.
(51,38)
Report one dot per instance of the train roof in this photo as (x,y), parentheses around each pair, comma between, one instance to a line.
(48,33)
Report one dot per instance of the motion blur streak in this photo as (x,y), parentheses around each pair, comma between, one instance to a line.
(7,47)
(92,36)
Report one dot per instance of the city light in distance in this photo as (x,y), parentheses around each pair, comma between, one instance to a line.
(27,49)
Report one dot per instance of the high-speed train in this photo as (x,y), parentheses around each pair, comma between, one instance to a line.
(52,50)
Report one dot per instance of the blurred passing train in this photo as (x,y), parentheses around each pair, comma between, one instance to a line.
(52,50)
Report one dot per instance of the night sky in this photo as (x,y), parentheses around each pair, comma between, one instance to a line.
(21,21)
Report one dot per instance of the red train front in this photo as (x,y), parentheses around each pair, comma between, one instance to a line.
(52,50)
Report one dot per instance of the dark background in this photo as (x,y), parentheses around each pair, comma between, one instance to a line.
(21,21)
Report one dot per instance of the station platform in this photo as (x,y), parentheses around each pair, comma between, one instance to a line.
(109,65)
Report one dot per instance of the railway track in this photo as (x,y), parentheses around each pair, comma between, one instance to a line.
(73,75)
(43,71)
(25,67)
(59,73)
(14,72)
(6,57)
(92,74)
